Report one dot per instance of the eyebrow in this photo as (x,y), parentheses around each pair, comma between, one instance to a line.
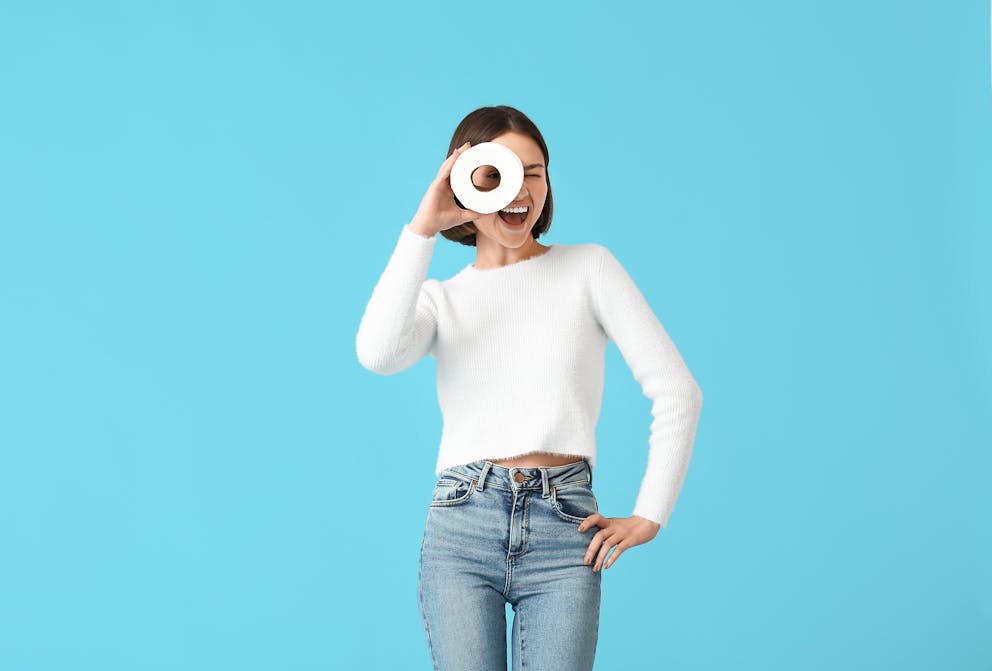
(533,165)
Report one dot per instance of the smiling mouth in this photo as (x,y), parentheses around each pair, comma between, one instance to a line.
(514,219)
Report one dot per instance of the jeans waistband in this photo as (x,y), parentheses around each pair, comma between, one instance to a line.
(485,472)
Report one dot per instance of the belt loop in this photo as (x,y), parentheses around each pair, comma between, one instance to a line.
(482,475)
(589,472)
(544,483)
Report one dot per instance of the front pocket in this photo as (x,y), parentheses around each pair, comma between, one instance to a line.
(574,504)
(449,492)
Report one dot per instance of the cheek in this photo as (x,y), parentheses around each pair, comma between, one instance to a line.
(487,222)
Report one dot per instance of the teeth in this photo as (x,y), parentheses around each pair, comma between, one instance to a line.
(519,210)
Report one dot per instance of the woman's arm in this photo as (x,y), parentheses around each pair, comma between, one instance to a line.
(400,320)
(676,399)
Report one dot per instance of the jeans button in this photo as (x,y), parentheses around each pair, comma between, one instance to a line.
(519,477)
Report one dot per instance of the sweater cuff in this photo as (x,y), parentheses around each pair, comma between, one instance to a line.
(412,250)
(659,517)
(415,237)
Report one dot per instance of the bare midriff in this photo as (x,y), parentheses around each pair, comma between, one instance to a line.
(537,460)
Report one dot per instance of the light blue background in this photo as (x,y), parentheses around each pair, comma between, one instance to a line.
(196,200)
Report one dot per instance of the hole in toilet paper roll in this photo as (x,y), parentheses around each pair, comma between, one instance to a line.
(485,177)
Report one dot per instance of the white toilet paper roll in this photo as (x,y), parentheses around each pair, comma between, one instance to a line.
(511,177)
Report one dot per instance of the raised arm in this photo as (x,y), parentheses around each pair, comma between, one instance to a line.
(400,320)
(676,399)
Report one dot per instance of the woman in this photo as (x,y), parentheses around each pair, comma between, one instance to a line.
(519,337)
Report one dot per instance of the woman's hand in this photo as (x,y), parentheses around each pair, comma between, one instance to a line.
(438,210)
(618,532)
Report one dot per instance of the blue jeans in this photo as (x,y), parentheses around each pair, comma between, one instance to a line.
(497,535)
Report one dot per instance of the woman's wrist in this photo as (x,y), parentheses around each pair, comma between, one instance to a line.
(421,228)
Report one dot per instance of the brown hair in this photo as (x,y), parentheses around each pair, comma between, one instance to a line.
(482,125)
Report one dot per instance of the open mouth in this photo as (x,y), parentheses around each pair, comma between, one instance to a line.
(514,219)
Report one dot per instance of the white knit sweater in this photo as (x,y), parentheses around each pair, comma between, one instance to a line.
(520,353)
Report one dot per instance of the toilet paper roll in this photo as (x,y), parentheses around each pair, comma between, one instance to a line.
(511,177)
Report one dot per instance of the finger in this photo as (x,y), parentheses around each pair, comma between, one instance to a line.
(454,155)
(593,519)
(617,551)
(605,550)
(445,170)
(593,548)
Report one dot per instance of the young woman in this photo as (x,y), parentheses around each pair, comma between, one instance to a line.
(519,338)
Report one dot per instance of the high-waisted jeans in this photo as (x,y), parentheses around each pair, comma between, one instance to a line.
(497,535)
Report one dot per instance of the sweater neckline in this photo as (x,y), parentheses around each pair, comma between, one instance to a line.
(470,268)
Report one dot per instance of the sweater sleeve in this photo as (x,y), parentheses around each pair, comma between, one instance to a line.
(676,399)
(399,325)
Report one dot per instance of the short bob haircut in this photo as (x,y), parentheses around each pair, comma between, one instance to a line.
(482,125)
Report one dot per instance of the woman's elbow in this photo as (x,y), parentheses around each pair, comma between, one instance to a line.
(374,356)
(691,394)
(696,397)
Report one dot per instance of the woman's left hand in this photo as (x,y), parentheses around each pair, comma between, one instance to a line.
(616,532)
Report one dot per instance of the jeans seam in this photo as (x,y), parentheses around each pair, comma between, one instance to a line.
(456,502)
(420,598)
(562,514)
(520,636)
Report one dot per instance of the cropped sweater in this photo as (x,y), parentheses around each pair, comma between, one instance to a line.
(520,353)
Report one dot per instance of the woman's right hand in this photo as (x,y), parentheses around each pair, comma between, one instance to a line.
(438,210)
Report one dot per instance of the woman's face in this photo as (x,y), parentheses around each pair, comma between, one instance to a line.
(533,192)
